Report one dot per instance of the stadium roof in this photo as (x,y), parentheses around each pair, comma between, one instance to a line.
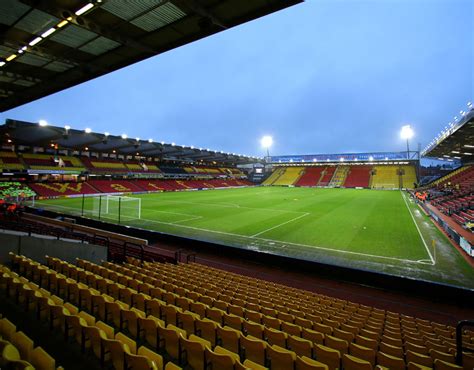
(33,134)
(456,141)
(48,46)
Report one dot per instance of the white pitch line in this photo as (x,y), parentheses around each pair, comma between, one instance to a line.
(283,223)
(419,232)
(278,241)
(284,242)
(187,219)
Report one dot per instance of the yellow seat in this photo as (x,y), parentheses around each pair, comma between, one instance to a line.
(92,338)
(41,360)
(322,328)
(291,329)
(335,343)
(253,365)
(7,329)
(233,321)
(169,314)
(391,362)
(193,351)
(275,337)
(144,359)
(271,322)
(186,320)
(363,353)
(24,345)
(215,315)
(172,366)
(253,329)
(418,358)
(447,357)
(254,316)
(307,363)
(423,350)
(390,349)
(329,356)
(207,329)
(312,335)
(74,325)
(129,321)
(301,346)
(113,350)
(414,366)
(10,357)
(229,338)
(169,340)
(222,359)
(253,349)
(354,363)
(443,365)
(367,342)
(280,358)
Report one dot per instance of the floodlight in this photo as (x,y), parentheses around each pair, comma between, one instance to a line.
(150,140)
(2,63)
(407,132)
(67,127)
(43,123)
(124,136)
(266,141)
(87,130)
(48,32)
(106,134)
(35,41)
(84,9)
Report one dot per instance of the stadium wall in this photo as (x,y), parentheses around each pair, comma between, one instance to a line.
(37,247)
(458,239)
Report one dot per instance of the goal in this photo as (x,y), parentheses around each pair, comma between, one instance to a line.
(117,207)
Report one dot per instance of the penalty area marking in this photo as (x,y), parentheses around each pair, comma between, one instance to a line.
(419,232)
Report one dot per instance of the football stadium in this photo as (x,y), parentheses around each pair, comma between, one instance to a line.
(124,253)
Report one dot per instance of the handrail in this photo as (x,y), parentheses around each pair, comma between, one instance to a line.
(459,348)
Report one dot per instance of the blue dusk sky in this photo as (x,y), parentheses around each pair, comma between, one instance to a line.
(324,76)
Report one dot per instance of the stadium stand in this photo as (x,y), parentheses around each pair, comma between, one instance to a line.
(10,161)
(104,166)
(57,189)
(327,175)
(274,176)
(408,177)
(172,170)
(114,186)
(358,176)
(289,176)
(339,176)
(48,162)
(385,177)
(17,350)
(140,167)
(310,177)
(198,316)
(453,195)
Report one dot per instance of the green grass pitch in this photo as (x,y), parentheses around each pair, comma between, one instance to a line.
(368,229)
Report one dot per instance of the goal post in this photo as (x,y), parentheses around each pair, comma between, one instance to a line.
(117,208)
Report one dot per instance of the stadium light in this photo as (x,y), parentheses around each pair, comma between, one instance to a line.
(43,123)
(124,136)
(67,127)
(150,140)
(267,142)
(407,133)
(88,130)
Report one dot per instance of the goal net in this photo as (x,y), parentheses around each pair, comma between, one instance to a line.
(117,208)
